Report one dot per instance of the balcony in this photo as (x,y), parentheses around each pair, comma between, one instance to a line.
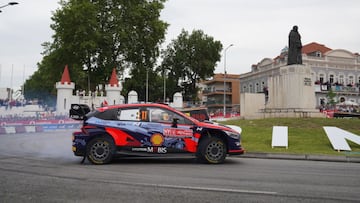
(338,89)
(217,91)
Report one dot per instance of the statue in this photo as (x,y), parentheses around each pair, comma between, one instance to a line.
(294,53)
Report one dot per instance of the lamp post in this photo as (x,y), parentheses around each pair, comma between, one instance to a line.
(8,4)
(164,100)
(225,77)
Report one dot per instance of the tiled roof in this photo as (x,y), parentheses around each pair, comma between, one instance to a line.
(313,47)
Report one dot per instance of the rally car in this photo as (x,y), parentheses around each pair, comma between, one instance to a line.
(149,130)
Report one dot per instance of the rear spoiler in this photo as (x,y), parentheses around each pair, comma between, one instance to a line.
(78,111)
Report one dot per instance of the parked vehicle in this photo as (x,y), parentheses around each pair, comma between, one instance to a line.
(149,130)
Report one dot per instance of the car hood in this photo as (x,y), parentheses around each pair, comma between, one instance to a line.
(209,124)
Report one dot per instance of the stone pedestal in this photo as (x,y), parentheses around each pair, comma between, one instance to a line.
(292,88)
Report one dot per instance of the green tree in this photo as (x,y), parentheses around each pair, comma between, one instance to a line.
(95,36)
(331,98)
(191,58)
(146,34)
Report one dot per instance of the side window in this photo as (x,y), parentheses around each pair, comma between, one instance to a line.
(159,115)
(181,119)
(110,114)
(131,114)
(166,116)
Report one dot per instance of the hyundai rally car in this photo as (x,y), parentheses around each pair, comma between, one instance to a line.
(149,130)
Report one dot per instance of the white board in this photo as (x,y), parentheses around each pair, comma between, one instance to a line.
(279,136)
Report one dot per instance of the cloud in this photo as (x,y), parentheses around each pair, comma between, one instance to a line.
(257,28)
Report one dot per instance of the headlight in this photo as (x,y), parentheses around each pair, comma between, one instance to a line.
(233,135)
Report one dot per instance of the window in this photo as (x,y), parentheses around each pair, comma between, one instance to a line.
(321,78)
(110,114)
(165,116)
(131,114)
(331,78)
(351,79)
(341,79)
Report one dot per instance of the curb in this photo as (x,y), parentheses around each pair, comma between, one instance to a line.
(308,157)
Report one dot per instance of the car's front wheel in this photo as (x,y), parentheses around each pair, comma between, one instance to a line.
(100,150)
(212,150)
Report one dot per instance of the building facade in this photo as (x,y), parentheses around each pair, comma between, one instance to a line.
(335,70)
(221,93)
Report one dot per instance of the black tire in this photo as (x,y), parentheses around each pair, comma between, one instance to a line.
(100,150)
(211,150)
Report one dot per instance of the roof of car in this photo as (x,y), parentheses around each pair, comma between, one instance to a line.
(162,105)
(132,105)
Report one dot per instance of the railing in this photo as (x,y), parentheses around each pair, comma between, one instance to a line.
(217,91)
(228,102)
(337,88)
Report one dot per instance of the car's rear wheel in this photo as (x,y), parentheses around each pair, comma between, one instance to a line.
(100,150)
(211,150)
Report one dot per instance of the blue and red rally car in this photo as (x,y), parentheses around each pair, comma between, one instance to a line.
(149,130)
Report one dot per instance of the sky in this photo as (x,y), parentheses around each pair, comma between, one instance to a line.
(257,29)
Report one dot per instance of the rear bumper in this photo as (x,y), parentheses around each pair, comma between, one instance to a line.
(79,143)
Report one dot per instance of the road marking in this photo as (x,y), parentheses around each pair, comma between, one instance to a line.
(217,189)
(198,188)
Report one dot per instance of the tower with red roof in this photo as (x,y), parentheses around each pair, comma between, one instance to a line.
(113,90)
(64,93)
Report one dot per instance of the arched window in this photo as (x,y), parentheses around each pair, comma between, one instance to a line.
(331,78)
(351,80)
(321,78)
(341,79)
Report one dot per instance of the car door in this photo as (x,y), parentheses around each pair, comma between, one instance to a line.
(168,130)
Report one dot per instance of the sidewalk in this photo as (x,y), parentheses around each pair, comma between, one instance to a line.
(310,157)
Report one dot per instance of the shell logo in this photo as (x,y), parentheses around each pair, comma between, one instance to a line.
(157,139)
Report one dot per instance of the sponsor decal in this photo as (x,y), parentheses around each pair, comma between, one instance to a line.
(139,149)
(157,139)
(176,132)
(159,150)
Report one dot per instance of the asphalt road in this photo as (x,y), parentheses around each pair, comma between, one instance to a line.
(42,168)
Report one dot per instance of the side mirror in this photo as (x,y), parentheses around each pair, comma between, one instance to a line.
(174,123)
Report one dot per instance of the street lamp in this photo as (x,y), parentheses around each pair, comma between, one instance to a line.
(9,4)
(225,77)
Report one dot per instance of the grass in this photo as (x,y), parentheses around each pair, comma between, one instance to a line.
(305,135)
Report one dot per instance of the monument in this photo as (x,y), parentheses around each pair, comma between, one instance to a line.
(292,89)
(295,46)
